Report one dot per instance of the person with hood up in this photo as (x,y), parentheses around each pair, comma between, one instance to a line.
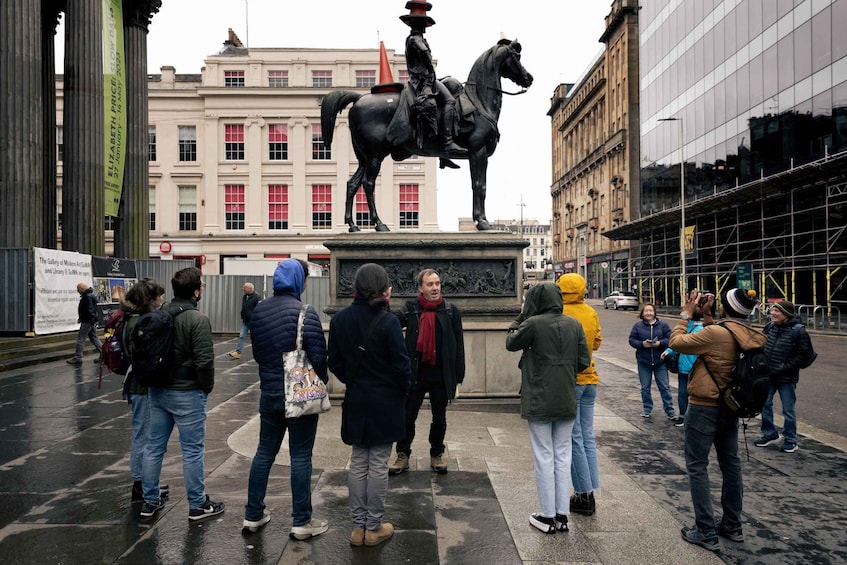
(555,350)
(273,330)
(649,337)
(584,470)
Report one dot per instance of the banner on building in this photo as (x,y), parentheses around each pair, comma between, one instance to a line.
(690,244)
(114,99)
(56,299)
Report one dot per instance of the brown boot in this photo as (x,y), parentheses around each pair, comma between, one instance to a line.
(357,537)
(376,537)
(437,464)
(400,465)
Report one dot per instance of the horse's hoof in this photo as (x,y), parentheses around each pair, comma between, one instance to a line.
(483,225)
(353,228)
(381,227)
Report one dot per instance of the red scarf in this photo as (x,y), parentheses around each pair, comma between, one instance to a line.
(426,330)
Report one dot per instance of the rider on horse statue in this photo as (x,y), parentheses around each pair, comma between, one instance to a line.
(427,108)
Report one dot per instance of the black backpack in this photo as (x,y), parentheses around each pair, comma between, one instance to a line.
(152,346)
(747,390)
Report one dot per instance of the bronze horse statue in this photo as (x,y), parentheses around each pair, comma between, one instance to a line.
(479,108)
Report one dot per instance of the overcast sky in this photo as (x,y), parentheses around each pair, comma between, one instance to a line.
(559,39)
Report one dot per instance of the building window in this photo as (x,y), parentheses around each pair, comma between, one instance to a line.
(233,79)
(321,206)
(277,79)
(403,75)
(319,152)
(187,143)
(151,143)
(277,142)
(60,144)
(409,206)
(365,79)
(151,215)
(321,79)
(363,214)
(234,142)
(108,223)
(188,208)
(278,207)
(234,206)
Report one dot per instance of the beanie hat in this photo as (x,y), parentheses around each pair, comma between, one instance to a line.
(738,303)
(785,307)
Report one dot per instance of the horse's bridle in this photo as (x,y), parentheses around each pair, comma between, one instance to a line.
(514,55)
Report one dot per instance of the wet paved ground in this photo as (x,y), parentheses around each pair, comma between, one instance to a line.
(65,496)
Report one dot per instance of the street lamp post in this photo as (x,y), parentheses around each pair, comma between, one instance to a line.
(681,208)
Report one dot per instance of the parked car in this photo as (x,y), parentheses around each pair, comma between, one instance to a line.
(621,299)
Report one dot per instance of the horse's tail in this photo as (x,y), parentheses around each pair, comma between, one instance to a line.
(331,105)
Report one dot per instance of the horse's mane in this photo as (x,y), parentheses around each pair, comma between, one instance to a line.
(484,79)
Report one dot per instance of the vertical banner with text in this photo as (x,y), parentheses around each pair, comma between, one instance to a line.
(114,98)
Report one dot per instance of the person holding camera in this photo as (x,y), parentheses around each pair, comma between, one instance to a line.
(649,337)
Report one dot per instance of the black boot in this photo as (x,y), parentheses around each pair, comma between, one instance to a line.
(583,503)
(448,119)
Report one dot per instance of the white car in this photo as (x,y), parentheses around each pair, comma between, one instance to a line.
(621,299)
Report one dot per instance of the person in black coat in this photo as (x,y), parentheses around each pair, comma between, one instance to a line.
(436,347)
(90,317)
(367,354)
(248,304)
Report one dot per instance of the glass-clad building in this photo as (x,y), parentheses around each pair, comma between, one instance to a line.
(749,99)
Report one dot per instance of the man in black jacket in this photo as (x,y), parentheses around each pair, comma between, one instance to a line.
(787,349)
(89,317)
(435,343)
(248,303)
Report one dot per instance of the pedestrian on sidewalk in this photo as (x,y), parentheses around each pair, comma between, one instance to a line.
(90,317)
(248,304)
(436,347)
(585,473)
(788,348)
(366,352)
(274,331)
(555,350)
(649,337)
(705,423)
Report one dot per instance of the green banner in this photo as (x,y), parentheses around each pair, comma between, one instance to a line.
(114,98)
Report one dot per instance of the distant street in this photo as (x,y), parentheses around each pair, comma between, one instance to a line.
(821,394)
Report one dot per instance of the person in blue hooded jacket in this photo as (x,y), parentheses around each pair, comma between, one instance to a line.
(273,330)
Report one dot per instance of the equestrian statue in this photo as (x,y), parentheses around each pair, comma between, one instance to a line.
(428,117)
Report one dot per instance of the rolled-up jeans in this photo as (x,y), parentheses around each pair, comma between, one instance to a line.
(584,471)
(551,449)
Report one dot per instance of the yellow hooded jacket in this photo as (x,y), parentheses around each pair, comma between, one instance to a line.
(573,289)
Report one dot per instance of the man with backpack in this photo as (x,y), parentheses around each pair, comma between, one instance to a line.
(788,350)
(178,395)
(707,422)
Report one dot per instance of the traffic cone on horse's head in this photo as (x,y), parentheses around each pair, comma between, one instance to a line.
(386,80)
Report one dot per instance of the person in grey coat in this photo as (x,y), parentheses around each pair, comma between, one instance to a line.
(554,351)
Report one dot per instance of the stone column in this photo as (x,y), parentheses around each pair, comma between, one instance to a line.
(50,10)
(83,186)
(21,123)
(132,227)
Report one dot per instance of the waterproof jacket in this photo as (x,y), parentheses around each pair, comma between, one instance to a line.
(377,380)
(194,355)
(248,303)
(573,289)
(718,349)
(642,331)
(785,353)
(687,361)
(449,342)
(131,384)
(88,310)
(554,351)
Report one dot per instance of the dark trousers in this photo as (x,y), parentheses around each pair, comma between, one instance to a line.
(438,428)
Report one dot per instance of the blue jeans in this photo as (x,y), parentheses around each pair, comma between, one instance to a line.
(551,449)
(241,337)
(706,426)
(186,409)
(86,331)
(788,397)
(140,426)
(301,440)
(682,393)
(367,482)
(584,471)
(645,375)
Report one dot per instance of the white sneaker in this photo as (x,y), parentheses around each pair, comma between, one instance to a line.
(314,528)
(252,526)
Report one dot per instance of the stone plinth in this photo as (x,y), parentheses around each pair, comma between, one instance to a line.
(481,273)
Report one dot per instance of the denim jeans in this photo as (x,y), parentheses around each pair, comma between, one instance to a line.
(788,397)
(551,449)
(140,427)
(367,482)
(186,409)
(438,428)
(682,393)
(584,471)
(241,337)
(301,440)
(86,331)
(706,426)
(645,375)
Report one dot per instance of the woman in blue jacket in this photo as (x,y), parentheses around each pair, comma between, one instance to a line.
(649,337)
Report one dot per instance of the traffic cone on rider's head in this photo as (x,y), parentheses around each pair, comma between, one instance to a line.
(386,80)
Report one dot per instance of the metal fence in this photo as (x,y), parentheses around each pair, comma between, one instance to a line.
(16,290)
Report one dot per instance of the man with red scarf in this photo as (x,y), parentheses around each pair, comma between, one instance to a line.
(436,348)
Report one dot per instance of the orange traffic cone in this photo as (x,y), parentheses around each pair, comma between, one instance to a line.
(386,80)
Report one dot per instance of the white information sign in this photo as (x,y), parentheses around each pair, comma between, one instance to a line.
(56,275)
